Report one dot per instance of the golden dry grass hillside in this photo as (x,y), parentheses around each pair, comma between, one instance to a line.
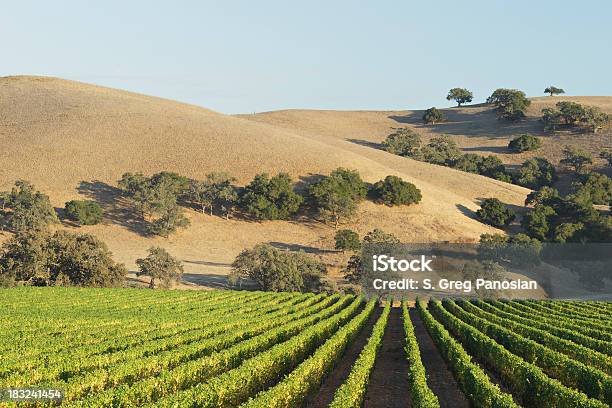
(74,140)
(475,128)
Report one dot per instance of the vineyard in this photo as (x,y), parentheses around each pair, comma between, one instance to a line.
(133,348)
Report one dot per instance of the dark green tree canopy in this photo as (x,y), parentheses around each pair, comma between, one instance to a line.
(337,196)
(403,142)
(492,166)
(525,143)
(469,162)
(518,250)
(572,115)
(161,267)
(30,209)
(277,270)
(567,232)
(273,198)
(395,191)
(215,192)
(441,150)
(537,222)
(595,187)
(347,240)
(535,173)
(545,195)
(156,199)
(62,258)
(510,104)
(495,213)
(433,116)
(553,90)
(85,212)
(460,95)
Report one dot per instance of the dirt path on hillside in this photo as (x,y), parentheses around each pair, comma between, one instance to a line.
(339,374)
(388,386)
(439,377)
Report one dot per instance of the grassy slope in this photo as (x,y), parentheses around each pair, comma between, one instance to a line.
(75,140)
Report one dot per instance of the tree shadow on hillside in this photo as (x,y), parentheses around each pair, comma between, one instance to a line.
(467,212)
(304,182)
(213,281)
(65,220)
(216,281)
(303,248)
(490,149)
(465,122)
(209,263)
(366,143)
(117,208)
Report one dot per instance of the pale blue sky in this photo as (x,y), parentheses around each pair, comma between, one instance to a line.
(246,56)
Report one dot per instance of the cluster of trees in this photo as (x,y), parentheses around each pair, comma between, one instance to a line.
(510,104)
(279,270)
(156,198)
(572,115)
(275,269)
(335,198)
(518,250)
(84,212)
(214,194)
(161,267)
(348,240)
(25,208)
(444,151)
(533,173)
(553,218)
(35,255)
(42,258)
(525,143)
(565,219)
(493,212)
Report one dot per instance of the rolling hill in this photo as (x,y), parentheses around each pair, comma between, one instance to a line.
(75,140)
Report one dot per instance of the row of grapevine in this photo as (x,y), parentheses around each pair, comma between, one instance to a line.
(577,311)
(75,367)
(126,346)
(180,371)
(558,321)
(352,391)
(584,322)
(262,370)
(293,390)
(528,382)
(96,338)
(422,396)
(593,382)
(473,381)
(580,344)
